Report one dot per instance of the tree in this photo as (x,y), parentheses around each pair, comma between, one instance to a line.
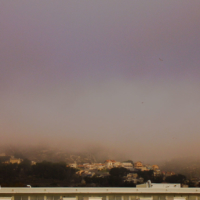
(158,179)
(119,172)
(176,179)
(146,175)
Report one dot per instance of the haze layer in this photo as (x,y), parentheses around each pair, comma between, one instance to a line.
(118,75)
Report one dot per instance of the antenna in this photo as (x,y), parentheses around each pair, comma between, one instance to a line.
(149,183)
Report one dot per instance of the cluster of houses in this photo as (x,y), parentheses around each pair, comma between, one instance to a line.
(109,164)
(11,159)
(102,169)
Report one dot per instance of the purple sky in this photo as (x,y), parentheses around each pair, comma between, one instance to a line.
(120,75)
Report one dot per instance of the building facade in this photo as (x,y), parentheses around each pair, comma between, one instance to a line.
(100,193)
(138,164)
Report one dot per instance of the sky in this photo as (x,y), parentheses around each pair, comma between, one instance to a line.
(119,76)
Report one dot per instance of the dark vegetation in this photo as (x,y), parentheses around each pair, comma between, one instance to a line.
(41,174)
(176,179)
(48,174)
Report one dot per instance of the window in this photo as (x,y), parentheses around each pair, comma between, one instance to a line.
(179,198)
(95,198)
(69,198)
(5,198)
(146,198)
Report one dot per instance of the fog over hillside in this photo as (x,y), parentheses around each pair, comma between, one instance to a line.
(93,154)
(54,154)
(189,166)
(111,79)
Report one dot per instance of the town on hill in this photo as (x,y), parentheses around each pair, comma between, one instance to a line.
(19,172)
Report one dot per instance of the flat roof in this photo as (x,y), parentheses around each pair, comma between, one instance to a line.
(96,190)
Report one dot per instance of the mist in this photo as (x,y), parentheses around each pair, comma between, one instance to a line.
(117,79)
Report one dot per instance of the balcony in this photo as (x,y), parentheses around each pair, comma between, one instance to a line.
(100,193)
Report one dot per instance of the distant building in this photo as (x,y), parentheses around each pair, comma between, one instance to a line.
(155,167)
(80,172)
(132,175)
(157,172)
(117,164)
(13,160)
(140,180)
(73,165)
(109,163)
(138,165)
(33,163)
(128,166)
(99,166)
(80,166)
(168,174)
(148,166)
(144,169)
